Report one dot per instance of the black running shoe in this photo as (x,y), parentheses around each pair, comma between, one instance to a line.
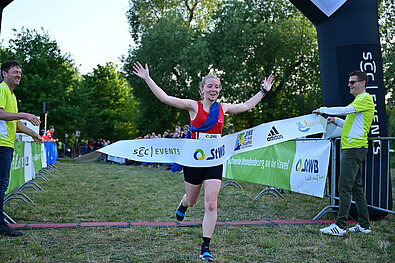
(180,212)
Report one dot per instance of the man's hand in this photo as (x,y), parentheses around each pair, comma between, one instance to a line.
(331,119)
(37,138)
(140,71)
(317,111)
(31,118)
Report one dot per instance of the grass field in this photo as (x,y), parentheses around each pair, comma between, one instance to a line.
(99,192)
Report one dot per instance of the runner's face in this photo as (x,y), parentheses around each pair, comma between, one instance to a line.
(211,89)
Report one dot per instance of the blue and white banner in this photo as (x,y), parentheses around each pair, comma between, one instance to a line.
(43,156)
(204,153)
(310,167)
(29,164)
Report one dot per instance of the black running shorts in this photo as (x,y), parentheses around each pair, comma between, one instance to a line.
(196,175)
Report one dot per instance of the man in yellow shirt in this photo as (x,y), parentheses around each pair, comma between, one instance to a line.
(354,141)
(9,124)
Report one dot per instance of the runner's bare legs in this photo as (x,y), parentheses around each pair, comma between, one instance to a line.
(191,196)
(211,191)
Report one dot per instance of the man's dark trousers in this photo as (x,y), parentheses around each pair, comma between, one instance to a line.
(350,183)
(5,166)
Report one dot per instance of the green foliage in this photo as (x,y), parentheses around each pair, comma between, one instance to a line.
(245,42)
(387,33)
(47,76)
(142,15)
(106,104)
(251,40)
(160,47)
(100,104)
(182,41)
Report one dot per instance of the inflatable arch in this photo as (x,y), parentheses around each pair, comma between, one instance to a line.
(348,40)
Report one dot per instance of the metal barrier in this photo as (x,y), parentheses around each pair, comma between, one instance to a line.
(16,194)
(380,151)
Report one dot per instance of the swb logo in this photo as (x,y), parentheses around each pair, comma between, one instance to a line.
(307,166)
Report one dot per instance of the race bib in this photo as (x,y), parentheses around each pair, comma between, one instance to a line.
(207,136)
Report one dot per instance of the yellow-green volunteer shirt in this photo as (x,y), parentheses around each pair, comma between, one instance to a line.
(357,125)
(7,128)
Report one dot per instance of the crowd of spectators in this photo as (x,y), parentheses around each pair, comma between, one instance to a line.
(176,134)
(84,147)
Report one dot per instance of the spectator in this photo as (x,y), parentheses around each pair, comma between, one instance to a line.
(104,143)
(166,134)
(82,147)
(11,71)
(48,136)
(177,132)
(90,145)
(184,131)
(60,148)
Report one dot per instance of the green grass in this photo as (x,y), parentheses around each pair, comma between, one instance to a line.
(98,192)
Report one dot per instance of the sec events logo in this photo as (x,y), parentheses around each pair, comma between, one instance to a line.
(215,153)
(142,151)
(150,151)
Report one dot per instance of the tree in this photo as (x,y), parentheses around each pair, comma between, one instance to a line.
(387,33)
(107,105)
(252,39)
(247,40)
(143,15)
(160,47)
(48,76)
(100,104)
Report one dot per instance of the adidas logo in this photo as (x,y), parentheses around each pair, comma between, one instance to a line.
(274,135)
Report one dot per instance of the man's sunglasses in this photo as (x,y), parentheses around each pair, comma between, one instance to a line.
(352,82)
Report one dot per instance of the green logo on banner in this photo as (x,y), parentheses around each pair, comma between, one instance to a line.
(199,155)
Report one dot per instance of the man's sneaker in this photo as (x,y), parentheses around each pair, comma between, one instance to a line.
(359,229)
(333,230)
(206,255)
(5,230)
(180,212)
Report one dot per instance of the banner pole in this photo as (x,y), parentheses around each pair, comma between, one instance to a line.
(45,122)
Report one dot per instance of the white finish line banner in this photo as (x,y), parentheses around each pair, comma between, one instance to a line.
(204,153)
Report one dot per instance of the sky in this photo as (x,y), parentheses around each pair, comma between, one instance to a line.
(92,31)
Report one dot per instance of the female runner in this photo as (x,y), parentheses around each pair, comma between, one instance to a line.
(199,112)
